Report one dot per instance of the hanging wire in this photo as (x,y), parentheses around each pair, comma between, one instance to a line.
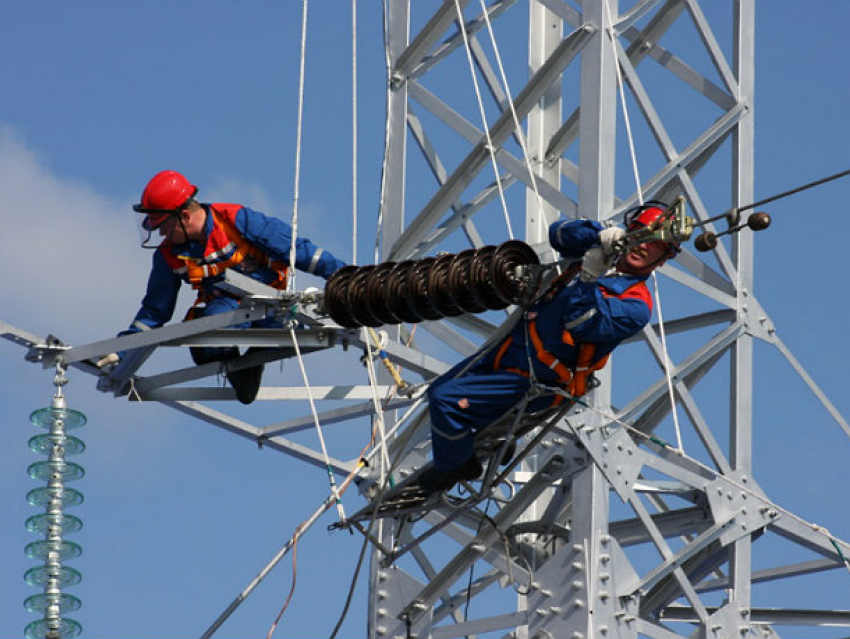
(354,131)
(379,413)
(486,126)
(300,119)
(388,62)
(626,118)
(668,365)
(517,127)
(639,189)
(331,479)
(290,545)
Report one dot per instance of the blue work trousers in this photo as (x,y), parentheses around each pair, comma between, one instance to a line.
(461,406)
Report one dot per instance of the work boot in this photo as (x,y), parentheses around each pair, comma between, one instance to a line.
(509,453)
(246,382)
(433,480)
(204,354)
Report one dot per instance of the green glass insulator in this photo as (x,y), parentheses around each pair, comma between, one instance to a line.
(39,603)
(40,524)
(44,470)
(68,629)
(46,417)
(44,443)
(41,497)
(40,575)
(40,549)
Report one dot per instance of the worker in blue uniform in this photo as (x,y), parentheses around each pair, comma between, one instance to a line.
(563,337)
(199,242)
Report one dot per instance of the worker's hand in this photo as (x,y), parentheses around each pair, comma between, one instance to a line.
(595,264)
(609,237)
(108,362)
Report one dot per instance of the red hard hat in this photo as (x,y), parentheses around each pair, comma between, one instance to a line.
(166,192)
(643,216)
(646,214)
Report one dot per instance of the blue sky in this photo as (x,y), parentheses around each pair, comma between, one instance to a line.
(179,517)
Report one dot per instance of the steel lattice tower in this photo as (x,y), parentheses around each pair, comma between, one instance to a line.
(682,549)
(610,530)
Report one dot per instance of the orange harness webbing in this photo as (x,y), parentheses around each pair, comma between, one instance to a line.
(197,272)
(574,382)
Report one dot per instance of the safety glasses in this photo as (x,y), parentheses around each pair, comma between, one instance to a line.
(153,221)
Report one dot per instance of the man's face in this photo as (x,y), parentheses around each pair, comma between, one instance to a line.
(643,258)
(182,227)
(173,230)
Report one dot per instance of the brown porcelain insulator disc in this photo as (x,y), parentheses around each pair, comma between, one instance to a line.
(398,293)
(376,293)
(507,257)
(417,286)
(460,283)
(758,221)
(357,298)
(481,281)
(438,287)
(336,297)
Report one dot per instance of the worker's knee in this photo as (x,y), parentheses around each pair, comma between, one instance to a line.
(443,392)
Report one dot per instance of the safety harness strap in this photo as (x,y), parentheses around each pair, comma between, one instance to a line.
(196,271)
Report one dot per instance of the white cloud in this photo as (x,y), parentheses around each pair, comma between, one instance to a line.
(72,264)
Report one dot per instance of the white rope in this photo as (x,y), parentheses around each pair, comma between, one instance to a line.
(517,127)
(354,131)
(626,118)
(292,249)
(462,28)
(331,479)
(622,92)
(668,366)
(389,65)
(379,412)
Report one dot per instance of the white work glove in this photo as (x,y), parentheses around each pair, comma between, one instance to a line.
(108,362)
(609,237)
(595,264)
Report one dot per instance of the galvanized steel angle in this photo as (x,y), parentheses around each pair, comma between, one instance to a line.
(450,44)
(670,463)
(718,344)
(737,495)
(757,321)
(500,131)
(473,551)
(393,590)
(614,452)
(614,615)
(443,17)
(558,598)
